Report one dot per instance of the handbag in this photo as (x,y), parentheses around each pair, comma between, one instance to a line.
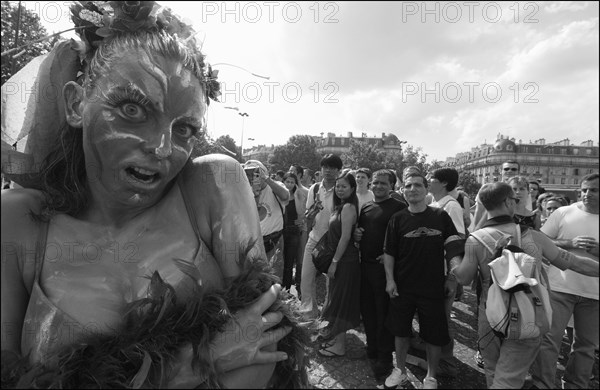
(322,255)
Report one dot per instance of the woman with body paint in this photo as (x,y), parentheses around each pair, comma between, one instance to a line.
(121,249)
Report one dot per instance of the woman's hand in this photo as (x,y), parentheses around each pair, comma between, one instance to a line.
(244,340)
(331,270)
(245,353)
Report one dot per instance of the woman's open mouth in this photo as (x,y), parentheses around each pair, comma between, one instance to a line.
(141,175)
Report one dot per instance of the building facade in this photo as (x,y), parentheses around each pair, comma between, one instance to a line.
(558,165)
(260,153)
(339,145)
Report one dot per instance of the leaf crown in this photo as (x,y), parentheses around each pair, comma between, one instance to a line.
(99,20)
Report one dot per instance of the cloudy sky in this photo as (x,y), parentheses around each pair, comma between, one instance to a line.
(446,76)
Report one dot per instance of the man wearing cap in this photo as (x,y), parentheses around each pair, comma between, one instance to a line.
(271,198)
(508,361)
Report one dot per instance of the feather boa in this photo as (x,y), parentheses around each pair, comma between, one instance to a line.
(141,354)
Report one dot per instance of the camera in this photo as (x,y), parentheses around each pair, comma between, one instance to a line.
(251,173)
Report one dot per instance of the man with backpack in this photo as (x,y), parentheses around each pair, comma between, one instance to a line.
(508,359)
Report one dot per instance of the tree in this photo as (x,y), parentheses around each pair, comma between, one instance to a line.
(225,141)
(299,149)
(206,145)
(412,156)
(468,181)
(364,155)
(30,29)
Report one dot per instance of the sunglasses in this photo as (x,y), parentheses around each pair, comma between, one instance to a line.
(510,169)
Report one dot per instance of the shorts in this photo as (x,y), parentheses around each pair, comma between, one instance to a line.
(433,326)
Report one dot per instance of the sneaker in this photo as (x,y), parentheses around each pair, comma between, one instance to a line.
(396,378)
(430,383)
(479,360)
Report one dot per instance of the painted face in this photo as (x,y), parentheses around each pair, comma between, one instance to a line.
(414,189)
(343,189)
(589,194)
(381,186)
(362,180)
(290,183)
(139,121)
(509,170)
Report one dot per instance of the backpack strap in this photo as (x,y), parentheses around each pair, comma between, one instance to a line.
(487,239)
(460,200)
(315,191)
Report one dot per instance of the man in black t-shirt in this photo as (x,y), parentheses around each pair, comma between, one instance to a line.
(417,240)
(374,301)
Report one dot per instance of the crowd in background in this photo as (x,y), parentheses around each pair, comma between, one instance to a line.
(368,218)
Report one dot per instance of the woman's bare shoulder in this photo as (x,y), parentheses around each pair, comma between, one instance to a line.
(20,233)
(18,206)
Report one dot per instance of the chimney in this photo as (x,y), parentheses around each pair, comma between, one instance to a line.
(349,134)
(382,135)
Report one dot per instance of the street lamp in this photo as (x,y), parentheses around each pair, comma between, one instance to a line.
(243,115)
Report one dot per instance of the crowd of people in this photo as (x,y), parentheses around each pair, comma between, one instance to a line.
(126,263)
(399,241)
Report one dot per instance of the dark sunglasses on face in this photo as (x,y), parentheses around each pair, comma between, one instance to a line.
(510,169)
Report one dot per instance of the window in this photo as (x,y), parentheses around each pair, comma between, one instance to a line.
(563,151)
(538,150)
(575,181)
(588,151)
(576,151)
(564,172)
(509,147)
(562,180)
(576,171)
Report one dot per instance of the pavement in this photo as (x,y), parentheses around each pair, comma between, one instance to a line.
(352,371)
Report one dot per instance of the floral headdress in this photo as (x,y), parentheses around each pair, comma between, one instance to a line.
(98,20)
(31,126)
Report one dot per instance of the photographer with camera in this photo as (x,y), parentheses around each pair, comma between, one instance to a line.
(271,197)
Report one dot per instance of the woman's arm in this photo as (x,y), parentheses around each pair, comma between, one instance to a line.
(225,211)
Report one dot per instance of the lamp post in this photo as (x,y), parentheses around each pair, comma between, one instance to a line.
(243,115)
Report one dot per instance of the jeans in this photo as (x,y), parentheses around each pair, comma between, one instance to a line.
(585,340)
(291,241)
(374,304)
(506,361)
(308,306)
